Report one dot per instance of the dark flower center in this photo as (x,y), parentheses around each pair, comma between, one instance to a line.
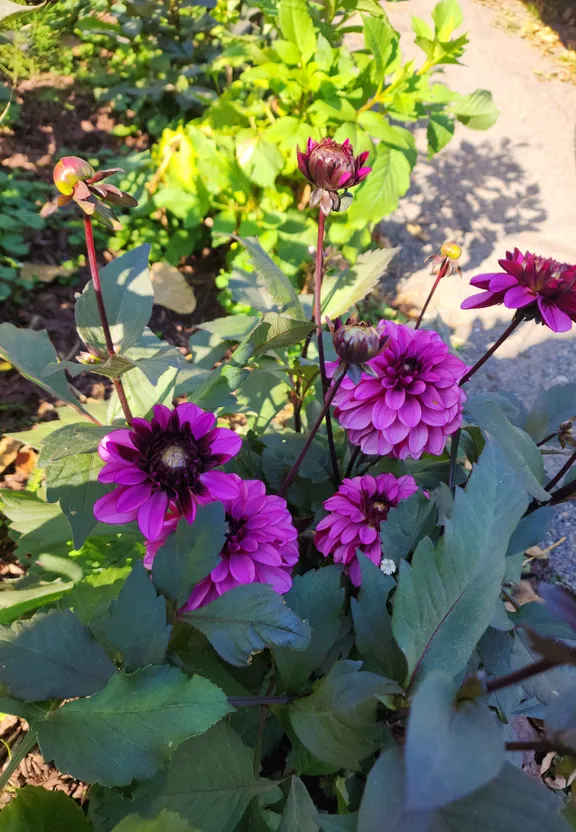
(376,510)
(174,460)
(409,365)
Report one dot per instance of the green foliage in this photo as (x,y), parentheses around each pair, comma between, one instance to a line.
(35,809)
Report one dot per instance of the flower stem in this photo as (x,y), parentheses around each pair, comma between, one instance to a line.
(548,438)
(443,270)
(321,360)
(454,458)
(327,402)
(526,672)
(516,321)
(91,248)
(562,472)
(246,701)
(353,458)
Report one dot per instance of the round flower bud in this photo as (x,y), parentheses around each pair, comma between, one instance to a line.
(69,171)
(451,250)
(356,343)
(332,165)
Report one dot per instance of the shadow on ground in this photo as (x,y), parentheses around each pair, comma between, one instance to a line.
(475,194)
(559,15)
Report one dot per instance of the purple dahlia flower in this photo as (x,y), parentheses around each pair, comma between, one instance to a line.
(163,464)
(357,510)
(541,287)
(414,401)
(330,167)
(261,543)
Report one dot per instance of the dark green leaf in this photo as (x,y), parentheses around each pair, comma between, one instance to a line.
(446,598)
(270,275)
(35,809)
(531,530)
(136,624)
(300,814)
(342,292)
(315,597)
(406,525)
(439,132)
(190,554)
(337,723)
(232,327)
(373,624)
(338,823)
(128,730)
(513,801)
(30,351)
(247,619)
(450,751)
(69,440)
(128,297)
(52,656)
(553,406)
(209,781)
(73,481)
(517,447)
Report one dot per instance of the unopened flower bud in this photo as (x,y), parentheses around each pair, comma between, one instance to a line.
(356,343)
(69,171)
(451,250)
(331,167)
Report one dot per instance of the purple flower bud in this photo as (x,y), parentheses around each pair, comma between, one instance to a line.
(330,167)
(356,342)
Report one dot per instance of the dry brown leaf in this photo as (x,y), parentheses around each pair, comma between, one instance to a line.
(43,272)
(8,451)
(524,594)
(171,289)
(25,461)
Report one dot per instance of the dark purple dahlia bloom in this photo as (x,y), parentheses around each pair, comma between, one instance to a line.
(411,401)
(541,287)
(330,167)
(357,511)
(162,464)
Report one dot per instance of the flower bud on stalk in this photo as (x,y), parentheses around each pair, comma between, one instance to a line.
(355,343)
(77,180)
(331,167)
(566,434)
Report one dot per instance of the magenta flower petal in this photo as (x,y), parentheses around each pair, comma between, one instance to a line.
(341,536)
(480,301)
(501,282)
(225,443)
(553,317)
(134,497)
(151,514)
(106,512)
(416,386)
(518,296)
(220,485)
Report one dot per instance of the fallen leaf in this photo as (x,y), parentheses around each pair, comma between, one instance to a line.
(43,272)
(171,289)
(8,451)
(524,594)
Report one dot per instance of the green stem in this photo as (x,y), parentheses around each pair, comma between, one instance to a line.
(22,749)
(454,458)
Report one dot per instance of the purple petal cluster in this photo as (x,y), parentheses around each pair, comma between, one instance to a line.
(541,287)
(261,543)
(412,401)
(357,511)
(164,464)
(330,167)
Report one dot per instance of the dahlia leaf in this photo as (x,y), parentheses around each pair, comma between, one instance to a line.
(272,277)
(344,291)
(476,110)
(35,809)
(450,752)
(165,822)
(511,801)
(247,619)
(338,823)
(553,406)
(190,554)
(543,689)
(136,622)
(373,624)
(128,297)
(531,530)
(447,16)
(337,722)
(209,781)
(30,352)
(406,525)
(52,656)
(316,597)
(445,599)
(297,27)
(68,440)
(129,729)
(520,451)
(73,481)
(300,813)
(378,195)
(439,132)
(382,40)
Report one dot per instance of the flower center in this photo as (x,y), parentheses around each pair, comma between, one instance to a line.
(376,510)
(409,365)
(174,460)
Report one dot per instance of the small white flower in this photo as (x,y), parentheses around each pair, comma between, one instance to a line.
(387,566)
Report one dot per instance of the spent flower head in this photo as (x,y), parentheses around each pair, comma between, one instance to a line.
(447,261)
(77,181)
(331,167)
(539,288)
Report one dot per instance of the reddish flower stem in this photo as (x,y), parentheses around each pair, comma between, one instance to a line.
(526,672)
(442,273)
(91,249)
(318,321)
(516,321)
(327,402)
(562,472)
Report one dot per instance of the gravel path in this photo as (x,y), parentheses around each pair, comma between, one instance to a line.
(512,185)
